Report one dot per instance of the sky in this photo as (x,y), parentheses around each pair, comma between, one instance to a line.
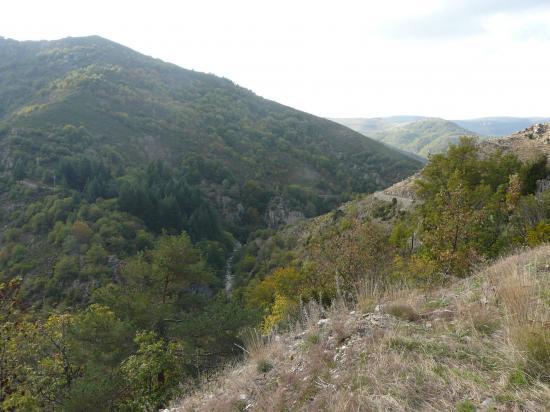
(444,58)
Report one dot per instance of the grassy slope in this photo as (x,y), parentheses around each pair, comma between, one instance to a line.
(465,347)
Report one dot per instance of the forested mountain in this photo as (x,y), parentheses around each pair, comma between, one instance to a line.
(127,186)
(414,134)
(97,98)
(91,123)
(124,184)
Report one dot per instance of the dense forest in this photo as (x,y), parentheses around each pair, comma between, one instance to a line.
(127,148)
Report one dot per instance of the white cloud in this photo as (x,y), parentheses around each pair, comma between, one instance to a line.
(452,58)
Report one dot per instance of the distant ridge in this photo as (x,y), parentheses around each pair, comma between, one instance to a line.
(424,135)
(499,126)
(414,134)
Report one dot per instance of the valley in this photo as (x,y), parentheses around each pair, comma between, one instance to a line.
(169,239)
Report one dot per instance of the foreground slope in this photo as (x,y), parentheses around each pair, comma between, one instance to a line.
(479,344)
(421,136)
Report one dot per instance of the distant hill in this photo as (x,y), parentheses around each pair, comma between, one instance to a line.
(414,134)
(499,126)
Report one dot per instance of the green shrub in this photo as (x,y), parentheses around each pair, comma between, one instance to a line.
(66,268)
(465,406)
(518,378)
(264,366)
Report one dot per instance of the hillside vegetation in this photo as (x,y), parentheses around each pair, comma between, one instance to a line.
(403,306)
(125,183)
(421,136)
(468,209)
(364,308)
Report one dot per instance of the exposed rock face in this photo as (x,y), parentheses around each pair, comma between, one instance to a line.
(278,213)
(527,144)
(404,188)
(543,185)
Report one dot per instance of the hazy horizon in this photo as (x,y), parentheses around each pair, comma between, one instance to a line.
(435,58)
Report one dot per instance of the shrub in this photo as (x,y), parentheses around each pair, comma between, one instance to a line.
(66,268)
(465,406)
(539,234)
(402,311)
(517,378)
(263,366)
(82,231)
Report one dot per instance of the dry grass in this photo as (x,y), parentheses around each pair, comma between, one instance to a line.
(490,354)
(522,284)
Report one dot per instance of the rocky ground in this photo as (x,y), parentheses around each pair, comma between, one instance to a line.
(526,144)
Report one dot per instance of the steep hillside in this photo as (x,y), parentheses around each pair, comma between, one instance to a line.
(499,126)
(87,123)
(478,344)
(421,136)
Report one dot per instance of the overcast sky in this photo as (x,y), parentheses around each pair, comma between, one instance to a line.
(446,58)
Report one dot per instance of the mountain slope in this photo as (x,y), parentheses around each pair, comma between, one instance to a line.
(480,343)
(149,147)
(421,136)
(147,109)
